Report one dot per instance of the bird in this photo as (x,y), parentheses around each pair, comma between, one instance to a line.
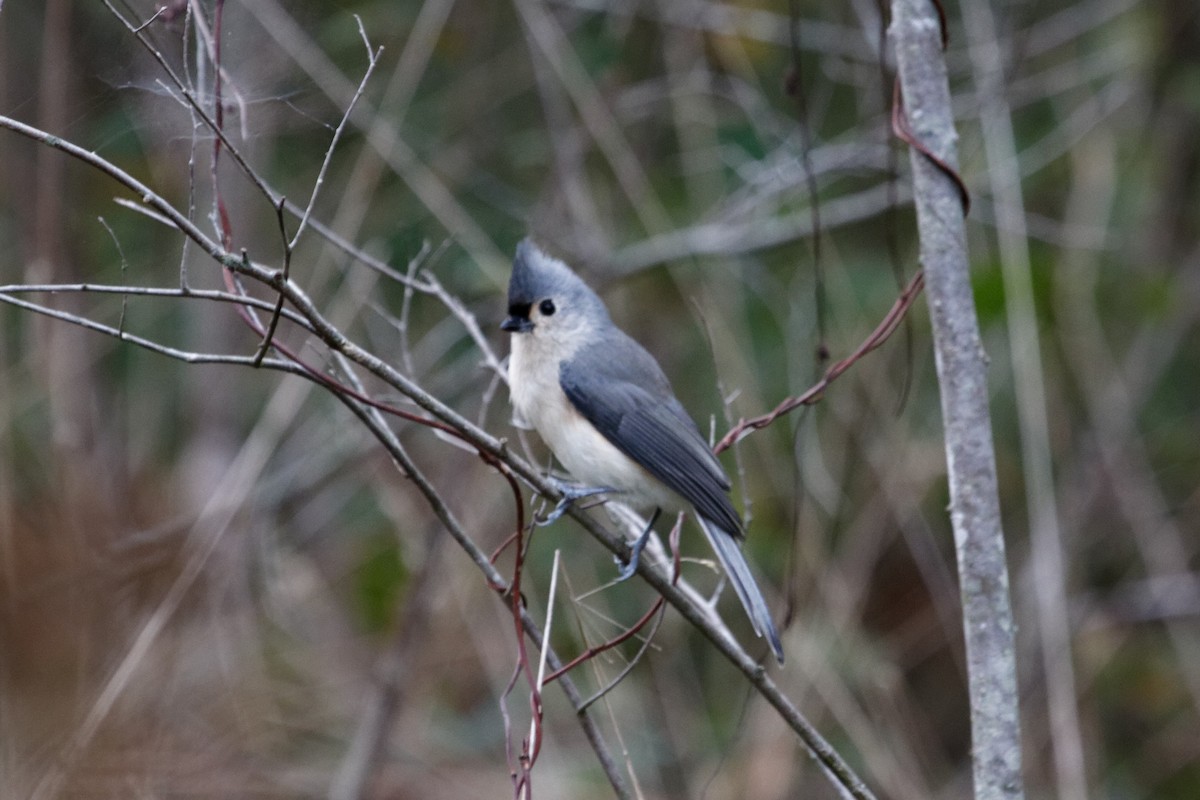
(607,411)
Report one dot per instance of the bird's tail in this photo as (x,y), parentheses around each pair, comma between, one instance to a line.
(729,551)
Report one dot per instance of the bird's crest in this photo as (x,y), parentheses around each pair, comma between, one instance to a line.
(536,275)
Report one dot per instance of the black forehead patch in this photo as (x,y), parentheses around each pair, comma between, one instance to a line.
(528,282)
(537,276)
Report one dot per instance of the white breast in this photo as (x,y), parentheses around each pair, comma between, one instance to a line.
(592,460)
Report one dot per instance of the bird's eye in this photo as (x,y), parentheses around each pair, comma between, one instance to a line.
(546,307)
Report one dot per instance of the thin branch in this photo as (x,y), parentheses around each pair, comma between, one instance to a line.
(150,291)
(816,392)
(450,419)
(187,356)
(206,36)
(647,640)
(433,286)
(190,96)
(535,727)
(372,61)
(124,270)
(285,274)
(161,10)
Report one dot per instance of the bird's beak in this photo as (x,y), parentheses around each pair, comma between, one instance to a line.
(516,325)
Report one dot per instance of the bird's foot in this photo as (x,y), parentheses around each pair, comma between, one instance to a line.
(570,493)
(627,569)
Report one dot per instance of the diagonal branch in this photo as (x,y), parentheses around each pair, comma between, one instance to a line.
(490,448)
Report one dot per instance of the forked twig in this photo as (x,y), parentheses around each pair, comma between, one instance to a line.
(289,245)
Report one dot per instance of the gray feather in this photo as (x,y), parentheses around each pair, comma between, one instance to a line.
(729,552)
(621,390)
(536,276)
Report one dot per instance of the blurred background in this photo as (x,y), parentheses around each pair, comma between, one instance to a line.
(214,582)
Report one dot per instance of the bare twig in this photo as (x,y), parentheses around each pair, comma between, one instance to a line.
(189,95)
(187,356)
(208,38)
(455,306)
(814,393)
(384,137)
(150,291)
(289,245)
(372,62)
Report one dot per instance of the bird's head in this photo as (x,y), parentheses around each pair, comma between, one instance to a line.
(548,300)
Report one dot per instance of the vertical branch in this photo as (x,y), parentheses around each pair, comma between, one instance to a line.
(962,378)
(222,213)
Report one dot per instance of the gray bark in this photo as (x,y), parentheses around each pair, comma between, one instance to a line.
(962,378)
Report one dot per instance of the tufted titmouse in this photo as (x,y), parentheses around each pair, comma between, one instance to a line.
(605,408)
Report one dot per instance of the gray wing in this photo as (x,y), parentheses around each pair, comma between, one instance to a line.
(621,390)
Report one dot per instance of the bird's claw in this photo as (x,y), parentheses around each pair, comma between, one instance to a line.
(570,493)
(635,551)
(628,568)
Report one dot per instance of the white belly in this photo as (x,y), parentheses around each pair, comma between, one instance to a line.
(591,459)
